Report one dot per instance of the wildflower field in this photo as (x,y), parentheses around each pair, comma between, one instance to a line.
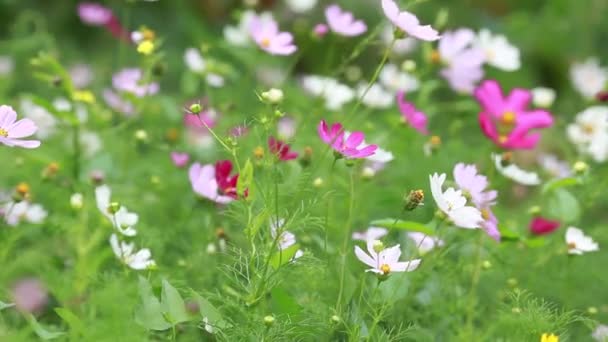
(303,170)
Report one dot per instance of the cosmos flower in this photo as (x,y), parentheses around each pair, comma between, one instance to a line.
(197,64)
(82,75)
(454,205)
(385,260)
(122,220)
(348,147)
(129,80)
(555,167)
(578,243)
(401,46)
(498,51)
(541,226)
(372,233)
(239,35)
(463,60)
(543,97)
(588,77)
(30,296)
(214,181)
(600,333)
(334,93)
(12,130)
(301,6)
(395,80)
(375,97)
(267,36)
(425,243)
(589,132)
(94,14)
(514,172)
(23,211)
(506,120)
(343,22)
(281,149)
(46,123)
(126,253)
(408,22)
(286,238)
(180,159)
(411,114)
(286,127)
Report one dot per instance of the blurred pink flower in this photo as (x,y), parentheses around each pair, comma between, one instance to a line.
(130,80)
(281,149)
(541,226)
(118,103)
(268,37)
(350,147)
(411,114)
(94,14)
(506,120)
(320,30)
(180,159)
(386,260)
(12,131)
(214,181)
(343,22)
(464,61)
(408,22)
(30,296)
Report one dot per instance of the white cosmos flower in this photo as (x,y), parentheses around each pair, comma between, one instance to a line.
(554,166)
(589,132)
(7,65)
(90,143)
(196,63)
(543,97)
(393,79)
(239,35)
(452,203)
(499,52)
(286,239)
(372,233)
(425,243)
(386,261)
(401,46)
(588,77)
(45,121)
(578,242)
(376,96)
(301,6)
(600,333)
(122,220)
(514,173)
(125,252)
(334,93)
(17,212)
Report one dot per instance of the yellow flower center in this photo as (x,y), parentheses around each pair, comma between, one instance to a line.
(485,214)
(587,128)
(435,140)
(571,245)
(385,269)
(146,47)
(3,132)
(265,42)
(435,57)
(508,118)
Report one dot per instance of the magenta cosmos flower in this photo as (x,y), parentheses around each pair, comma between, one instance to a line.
(281,149)
(268,37)
(343,22)
(350,147)
(506,120)
(411,114)
(180,159)
(384,261)
(408,22)
(541,226)
(12,131)
(214,182)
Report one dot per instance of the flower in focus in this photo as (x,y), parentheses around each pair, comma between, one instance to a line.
(281,149)
(453,204)
(588,77)
(499,52)
(343,22)
(543,97)
(425,243)
(334,93)
(408,22)
(30,296)
(395,80)
(411,114)
(12,130)
(589,132)
(268,37)
(541,226)
(286,238)
(180,159)
(385,261)
(124,251)
(17,212)
(374,97)
(549,338)
(462,58)
(122,220)
(578,243)
(514,172)
(372,233)
(507,121)
(214,181)
(348,147)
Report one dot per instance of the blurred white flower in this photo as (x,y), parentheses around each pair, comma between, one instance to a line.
(196,63)
(334,93)
(81,75)
(7,65)
(76,201)
(557,168)
(376,97)
(301,6)
(372,233)
(45,121)
(286,128)
(239,35)
(588,77)
(270,76)
(385,260)
(125,252)
(514,173)
(396,80)
(589,132)
(425,243)
(24,211)
(543,97)
(600,333)
(61,104)
(122,220)
(452,203)
(578,243)
(498,51)
(286,238)
(90,143)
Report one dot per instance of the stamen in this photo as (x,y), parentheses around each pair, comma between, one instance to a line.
(265,42)
(3,133)
(385,268)
(508,118)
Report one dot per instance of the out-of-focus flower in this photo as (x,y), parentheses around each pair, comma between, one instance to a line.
(396,80)
(281,149)
(499,52)
(400,46)
(384,261)
(273,96)
(90,143)
(94,14)
(463,60)
(214,181)
(411,114)
(130,80)
(12,131)
(589,132)
(7,65)
(514,172)
(239,35)
(286,238)
(286,128)
(126,253)
(45,121)
(76,201)
(375,97)
(334,93)
(600,333)
(268,37)
(425,243)
(343,22)
(118,103)
(301,6)
(541,226)
(23,211)
(543,97)
(506,120)
(549,338)
(320,30)
(81,75)
(372,233)
(555,167)
(196,63)
(588,77)
(347,147)
(454,205)
(578,243)
(30,296)
(122,220)
(408,22)
(180,159)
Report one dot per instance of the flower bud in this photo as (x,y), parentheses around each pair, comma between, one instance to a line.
(534,210)
(318,182)
(113,208)
(320,30)
(516,310)
(408,66)
(211,249)
(195,108)
(335,319)
(543,97)
(580,167)
(269,320)
(76,201)
(273,96)
(378,246)
(592,310)
(414,199)
(368,172)
(258,152)
(141,135)
(512,282)
(486,264)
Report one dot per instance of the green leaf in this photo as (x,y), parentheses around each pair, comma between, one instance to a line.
(555,184)
(149,313)
(507,234)
(4,305)
(207,310)
(403,225)
(535,242)
(283,256)
(173,305)
(245,179)
(76,325)
(564,206)
(257,222)
(41,331)
(283,303)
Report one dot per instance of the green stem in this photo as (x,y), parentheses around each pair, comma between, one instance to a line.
(346,238)
(474,282)
(76,150)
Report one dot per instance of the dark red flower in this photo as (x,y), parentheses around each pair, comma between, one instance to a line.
(225,182)
(281,149)
(542,226)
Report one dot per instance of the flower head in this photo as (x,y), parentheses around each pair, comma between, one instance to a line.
(124,251)
(453,204)
(180,159)
(348,147)
(30,296)
(17,212)
(343,22)
(385,261)
(498,51)
(122,220)
(130,80)
(541,226)
(579,243)
(588,77)
(334,93)
(281,149)
(463,60)
(286,238)
(507,121)
(268,37)
(214,181)
(589,132)
(12,130)
(372,233)
(549,338)
(425,243)
(408,22)
(94,14)
(411,114)
(514,172)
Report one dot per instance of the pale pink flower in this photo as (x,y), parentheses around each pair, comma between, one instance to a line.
(464,60)
(386,260)
(425,243)
(350,147)
(411,114)
(130,80)
(12,131)
(372,233)
(408,22)
(94,14)
(268,37)
(30,296)
(205,183)
(320,30)
(180,159)
(343,22)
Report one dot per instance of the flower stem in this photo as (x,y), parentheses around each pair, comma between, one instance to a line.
(346,236)
(474,282)
(76,150)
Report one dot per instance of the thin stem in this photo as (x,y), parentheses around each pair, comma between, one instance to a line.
(474,282)
(76,150)
(346,238)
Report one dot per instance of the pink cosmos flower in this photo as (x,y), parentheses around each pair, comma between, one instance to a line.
(268,37)
(350,147)
(464,60)
(386,260)
(320,30)
(372,233)
(30,296)
(506,120)
(130,80)
(214,181)
(541,226)
(180,159)
(118,103)
(281,149)
(408,22)
(12,131)
(411,114)
(94,14)
(343,22)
